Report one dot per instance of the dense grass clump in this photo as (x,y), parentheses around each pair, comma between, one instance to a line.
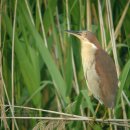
(42,85)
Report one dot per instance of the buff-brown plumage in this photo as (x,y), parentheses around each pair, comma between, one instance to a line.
(108,78)
(99,68)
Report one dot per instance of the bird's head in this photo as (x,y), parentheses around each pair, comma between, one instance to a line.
(85,37)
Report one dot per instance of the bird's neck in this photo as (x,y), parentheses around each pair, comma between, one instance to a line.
(88,51)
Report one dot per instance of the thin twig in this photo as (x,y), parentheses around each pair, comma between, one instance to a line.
(111,29)
(69,115)
(107,121)
(103,35)
(124,112)
(70,118)
(29,11)
(119,25)
(2,110)
(89,19)
(73,63)
(12,65)
(42,25)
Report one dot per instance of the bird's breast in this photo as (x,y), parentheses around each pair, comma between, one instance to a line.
(88,61)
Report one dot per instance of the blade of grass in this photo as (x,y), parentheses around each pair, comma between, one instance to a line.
(54,72)
(90,106)
(12,65)
(25,66)
(123,78)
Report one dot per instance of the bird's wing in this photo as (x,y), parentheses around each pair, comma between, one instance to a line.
(108,77)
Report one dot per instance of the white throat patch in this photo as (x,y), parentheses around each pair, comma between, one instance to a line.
(88,43)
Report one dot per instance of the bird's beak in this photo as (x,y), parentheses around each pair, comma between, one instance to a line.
(75,33)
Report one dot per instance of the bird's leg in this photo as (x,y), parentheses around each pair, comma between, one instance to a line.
(107,111)
(96,110)
(105,114)
(94,116)
(110,116)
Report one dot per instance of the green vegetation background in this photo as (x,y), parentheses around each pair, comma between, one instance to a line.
(41,65)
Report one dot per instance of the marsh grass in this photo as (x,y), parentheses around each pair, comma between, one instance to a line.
(41,77)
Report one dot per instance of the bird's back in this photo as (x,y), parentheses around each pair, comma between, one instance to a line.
(108,77)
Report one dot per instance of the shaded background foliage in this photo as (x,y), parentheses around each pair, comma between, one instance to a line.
(41,65)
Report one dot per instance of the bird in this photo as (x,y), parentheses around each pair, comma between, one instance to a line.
(98,67)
